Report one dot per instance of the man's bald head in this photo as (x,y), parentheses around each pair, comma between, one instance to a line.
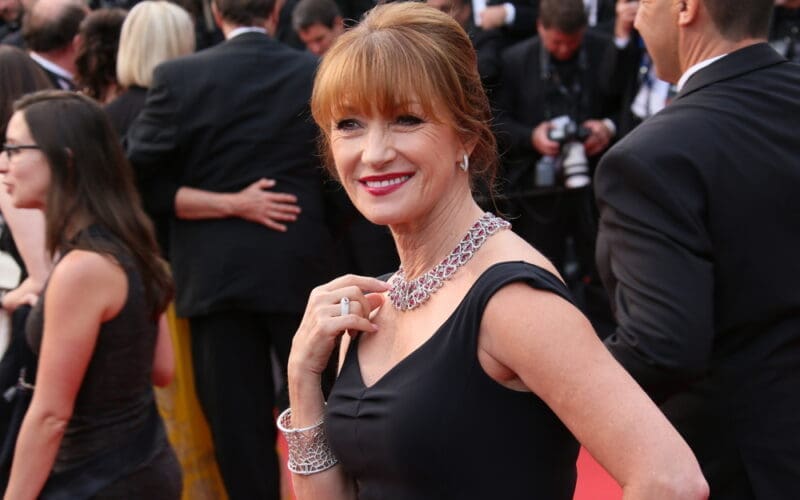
(51,25)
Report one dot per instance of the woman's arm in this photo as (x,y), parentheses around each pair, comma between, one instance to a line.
(554,351)
(27,226)
(313,344)
(164,356)
(71,325)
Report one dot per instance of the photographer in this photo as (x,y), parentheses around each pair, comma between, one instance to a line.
(553,120)
(784,30)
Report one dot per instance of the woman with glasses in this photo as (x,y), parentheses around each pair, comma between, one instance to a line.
(92,429)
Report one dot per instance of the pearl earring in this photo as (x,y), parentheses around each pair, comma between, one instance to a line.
(464,163)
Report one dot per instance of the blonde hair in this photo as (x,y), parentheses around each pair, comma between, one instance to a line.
(402,53)
(153,32)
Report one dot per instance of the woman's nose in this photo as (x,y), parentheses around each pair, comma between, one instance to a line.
(378,148)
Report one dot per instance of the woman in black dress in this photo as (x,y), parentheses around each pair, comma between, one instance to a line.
(468,373)
(92,429)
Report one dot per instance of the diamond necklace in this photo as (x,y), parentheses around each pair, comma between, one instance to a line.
(407,295)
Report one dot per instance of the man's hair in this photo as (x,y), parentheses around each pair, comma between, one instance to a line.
(45,31)
(245,12)
(567,16)
(740,19)
(310,12)
(153,32)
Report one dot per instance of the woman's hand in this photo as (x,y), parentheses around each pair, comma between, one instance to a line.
(323,322)
(26,293)
(322,326)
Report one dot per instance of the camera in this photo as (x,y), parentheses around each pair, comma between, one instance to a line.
(571,164)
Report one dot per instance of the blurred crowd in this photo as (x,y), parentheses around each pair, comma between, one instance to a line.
(226,165)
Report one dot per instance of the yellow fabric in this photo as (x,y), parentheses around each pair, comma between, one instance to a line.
(186,427)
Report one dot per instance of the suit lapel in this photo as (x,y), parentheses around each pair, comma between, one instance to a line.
(745,60)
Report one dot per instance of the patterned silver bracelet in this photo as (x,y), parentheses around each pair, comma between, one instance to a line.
(309,451)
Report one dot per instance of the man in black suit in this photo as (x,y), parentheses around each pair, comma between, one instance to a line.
(220,127)
(698,241)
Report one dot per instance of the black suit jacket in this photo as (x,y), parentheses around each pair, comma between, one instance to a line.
(698,249)
(124,109)
(218,120)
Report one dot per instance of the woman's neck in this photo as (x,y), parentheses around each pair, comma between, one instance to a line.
(423,245)
(76,225)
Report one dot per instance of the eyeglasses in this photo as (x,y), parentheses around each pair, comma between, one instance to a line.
(12,149)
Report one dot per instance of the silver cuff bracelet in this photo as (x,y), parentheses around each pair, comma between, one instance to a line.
(309,451)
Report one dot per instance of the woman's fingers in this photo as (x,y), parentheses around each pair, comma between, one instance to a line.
(364,283)
(327,317)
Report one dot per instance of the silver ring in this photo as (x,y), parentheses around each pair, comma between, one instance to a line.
(344,306)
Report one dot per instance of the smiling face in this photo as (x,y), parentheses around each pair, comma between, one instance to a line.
(27,173)
(399,167)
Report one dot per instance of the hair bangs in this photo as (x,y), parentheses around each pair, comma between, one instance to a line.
(378,74)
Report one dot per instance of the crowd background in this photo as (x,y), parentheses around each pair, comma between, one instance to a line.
(576,67)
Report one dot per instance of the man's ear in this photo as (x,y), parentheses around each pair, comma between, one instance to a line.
(216,14)
(338,24)
(687,11)
(271,24)
(77,41)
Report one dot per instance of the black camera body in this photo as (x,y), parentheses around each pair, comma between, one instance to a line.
(566,131)
(571,165)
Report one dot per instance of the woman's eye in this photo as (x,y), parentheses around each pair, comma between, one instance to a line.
(408,120)
(346,124)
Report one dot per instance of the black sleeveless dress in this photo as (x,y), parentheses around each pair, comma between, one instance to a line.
(436,426)
(115,445)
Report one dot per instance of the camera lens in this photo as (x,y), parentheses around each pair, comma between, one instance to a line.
(575,165)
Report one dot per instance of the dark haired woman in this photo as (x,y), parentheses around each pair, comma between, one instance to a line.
(92,429)
(96,61)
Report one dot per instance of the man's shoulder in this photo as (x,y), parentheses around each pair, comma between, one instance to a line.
(670,133)
(522,50)
(260,53)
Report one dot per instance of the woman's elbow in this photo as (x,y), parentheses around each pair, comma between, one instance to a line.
(687,484)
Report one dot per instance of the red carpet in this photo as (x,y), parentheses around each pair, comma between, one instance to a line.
(594,483)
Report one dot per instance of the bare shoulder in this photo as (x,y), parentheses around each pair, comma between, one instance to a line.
(507,246)
(83,265)
(83,276)
(524,326)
